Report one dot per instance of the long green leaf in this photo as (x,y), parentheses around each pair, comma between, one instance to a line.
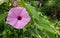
(39,21)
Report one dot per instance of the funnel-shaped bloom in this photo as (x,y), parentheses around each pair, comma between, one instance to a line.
(18,17)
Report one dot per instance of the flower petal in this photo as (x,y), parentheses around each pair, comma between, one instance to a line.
(15,11)
(20,24)
(11,21)
(11,13)
(24,13)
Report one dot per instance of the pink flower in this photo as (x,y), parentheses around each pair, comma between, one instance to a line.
(15,4)
(18,17)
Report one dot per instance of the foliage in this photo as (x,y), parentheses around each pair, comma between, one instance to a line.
(43,23)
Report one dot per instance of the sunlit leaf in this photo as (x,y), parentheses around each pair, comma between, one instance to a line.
(40,22)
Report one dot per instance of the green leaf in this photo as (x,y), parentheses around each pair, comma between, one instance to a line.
(3,16)
(51,34)
(1,1)
(39,21)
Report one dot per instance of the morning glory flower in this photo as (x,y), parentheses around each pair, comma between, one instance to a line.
(18,17)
